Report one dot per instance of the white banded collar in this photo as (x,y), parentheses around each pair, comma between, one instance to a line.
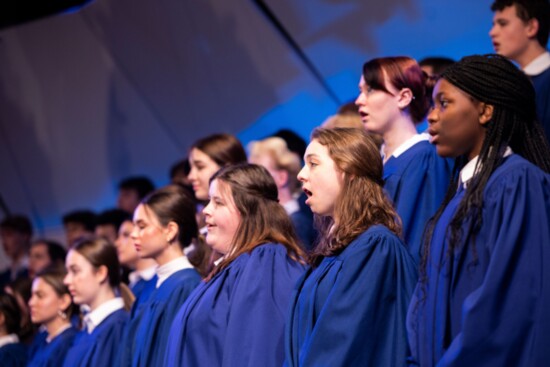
(538,65)
(166,270)
(96,317)
(470,169)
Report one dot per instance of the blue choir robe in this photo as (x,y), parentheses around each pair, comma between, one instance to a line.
(237,318)
(303,225)
(489,308)
(351,309)
(13,355)
(148,330)
(6,277)
(37,342)
(302,220)
(142,290)
(75,320)
(541,82)
(416,182)
(51,354)
(102,346)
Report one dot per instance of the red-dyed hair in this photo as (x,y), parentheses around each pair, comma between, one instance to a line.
(401,72)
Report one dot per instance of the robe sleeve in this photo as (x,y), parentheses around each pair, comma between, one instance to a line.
(13,355)
(362,321)
(259,308)
(303,224)
(417,195)
(127,344)
(506,319)
(102,347)
(106,351)
(152,337)
(54,353)
(37,345)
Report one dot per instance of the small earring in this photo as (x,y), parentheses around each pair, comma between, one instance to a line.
(62,314)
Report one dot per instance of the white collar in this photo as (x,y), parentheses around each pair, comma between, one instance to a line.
(407,144)
(8,339)
(49,338)
(538,65)
(166,270)
(291,206)
(217,262)
(95,317)
(85,309)
(469,170)
(145,274)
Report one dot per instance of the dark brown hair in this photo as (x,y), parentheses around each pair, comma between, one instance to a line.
(437,63)
(362,202)
(527,10)
(263,219)
(17,223)
(56,251)
(401,72)
(11,311)
(224,149)
(173,203)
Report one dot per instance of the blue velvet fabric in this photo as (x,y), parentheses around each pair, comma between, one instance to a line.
(13,355)
(303,224)
(142,290)
(351,309)
(541,83)
(148,330)
(51,354)
(416,182)
(237,318)
(489,307)
(102,346)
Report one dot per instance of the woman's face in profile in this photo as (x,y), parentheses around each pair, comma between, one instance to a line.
(150,237)
(222,217)
(455,122)
(378,108)
(202,168)
(82,279)
(321,180)
(127,254)
(45,304)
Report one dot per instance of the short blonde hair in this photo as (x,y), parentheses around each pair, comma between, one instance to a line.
(348,120)
(283,158)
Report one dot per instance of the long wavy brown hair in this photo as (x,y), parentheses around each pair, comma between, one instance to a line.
(362,202)
(263,219)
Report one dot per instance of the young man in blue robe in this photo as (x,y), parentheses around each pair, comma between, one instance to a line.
(520,32)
